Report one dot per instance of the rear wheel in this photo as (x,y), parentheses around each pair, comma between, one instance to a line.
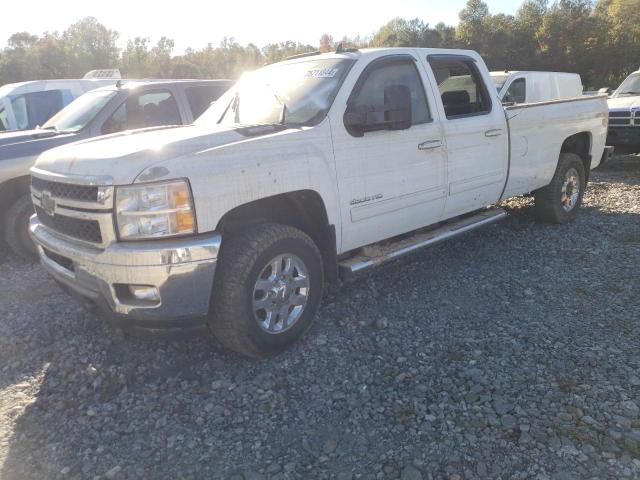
(268,286)
(16,228)
(558,202)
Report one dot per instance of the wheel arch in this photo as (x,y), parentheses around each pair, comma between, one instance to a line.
(302,209)
(579,144)
(11,190)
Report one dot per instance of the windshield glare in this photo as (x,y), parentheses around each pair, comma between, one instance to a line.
(80,112)
(630,86)
(293,94)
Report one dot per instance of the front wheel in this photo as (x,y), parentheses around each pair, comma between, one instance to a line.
(16,228)
(268,286)
(558,202)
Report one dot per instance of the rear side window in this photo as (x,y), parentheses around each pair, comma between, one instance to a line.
(146,109)
(33,109)
(517,92)
(200,97)
(371,94)
(461,88)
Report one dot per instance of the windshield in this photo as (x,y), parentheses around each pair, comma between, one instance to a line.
(294,94)
(80,112)
(631,86)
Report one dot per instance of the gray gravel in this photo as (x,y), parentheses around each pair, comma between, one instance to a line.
(510,353)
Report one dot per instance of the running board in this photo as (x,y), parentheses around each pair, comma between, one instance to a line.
(374,255)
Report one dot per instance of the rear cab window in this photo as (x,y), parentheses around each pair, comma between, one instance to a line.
(145,109)
(517,92)
(462,89)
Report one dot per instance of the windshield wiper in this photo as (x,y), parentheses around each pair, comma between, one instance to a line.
(629,93)
(283,112)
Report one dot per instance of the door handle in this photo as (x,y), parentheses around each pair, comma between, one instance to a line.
(430,145)
(495,132)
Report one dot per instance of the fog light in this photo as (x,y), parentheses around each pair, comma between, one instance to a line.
(146,293)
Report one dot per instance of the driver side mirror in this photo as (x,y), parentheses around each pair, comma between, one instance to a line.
(605,91)
(395,114)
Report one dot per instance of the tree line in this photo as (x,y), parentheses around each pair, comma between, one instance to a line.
(600,40)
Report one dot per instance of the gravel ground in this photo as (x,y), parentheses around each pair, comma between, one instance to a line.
(510,353)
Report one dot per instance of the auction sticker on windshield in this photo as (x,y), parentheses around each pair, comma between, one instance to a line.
(321,73)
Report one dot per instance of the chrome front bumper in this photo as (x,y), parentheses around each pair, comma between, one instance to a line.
(182,271)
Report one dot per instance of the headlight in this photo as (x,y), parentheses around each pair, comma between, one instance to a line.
(154,210)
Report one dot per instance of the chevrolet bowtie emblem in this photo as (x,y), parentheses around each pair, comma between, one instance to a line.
(48,203)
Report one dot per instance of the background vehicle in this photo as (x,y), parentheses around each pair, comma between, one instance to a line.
(531,87)
(101,111)
(27,105)
(309,169)
(624,115)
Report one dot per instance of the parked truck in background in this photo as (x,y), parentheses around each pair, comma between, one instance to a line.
(26,105)
(624,115)
(115,108)
(317,167)
(531,87)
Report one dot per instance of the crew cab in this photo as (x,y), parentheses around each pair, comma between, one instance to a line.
(624,115)
(26,105)
(308,170)
(118,107)
(530,87)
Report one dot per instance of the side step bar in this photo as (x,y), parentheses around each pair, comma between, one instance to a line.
(374,255)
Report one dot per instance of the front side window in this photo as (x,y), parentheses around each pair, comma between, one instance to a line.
(461,88)
(200,97)
(517,92)
(289,93)
(80,112)
(19,107)
(4,120)
(370,95)
(34,109)
(141,110)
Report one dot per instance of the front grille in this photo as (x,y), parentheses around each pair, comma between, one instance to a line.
(619,121)
(87,230)
(620,114)
(83,193)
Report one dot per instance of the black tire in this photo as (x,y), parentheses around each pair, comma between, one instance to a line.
(550,207)
(16,228)
(242,260)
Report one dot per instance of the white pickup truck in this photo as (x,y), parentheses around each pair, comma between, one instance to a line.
(316,167)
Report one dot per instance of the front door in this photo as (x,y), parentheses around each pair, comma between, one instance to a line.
(390,181)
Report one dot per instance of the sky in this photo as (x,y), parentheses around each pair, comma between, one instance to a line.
(195,23)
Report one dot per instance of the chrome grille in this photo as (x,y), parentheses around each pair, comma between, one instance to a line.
(624,118)
(81,229)
(82,193)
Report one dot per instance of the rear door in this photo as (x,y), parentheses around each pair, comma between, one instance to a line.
(390,182)
(475,130)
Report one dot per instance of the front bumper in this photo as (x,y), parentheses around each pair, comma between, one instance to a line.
(624,136)
(181,270)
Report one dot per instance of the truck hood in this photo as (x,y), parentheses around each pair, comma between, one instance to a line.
(123,156)
(624,102)
(28,143)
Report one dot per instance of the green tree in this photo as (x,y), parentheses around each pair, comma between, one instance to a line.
(90,45)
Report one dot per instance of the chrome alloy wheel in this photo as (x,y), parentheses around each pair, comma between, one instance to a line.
(281,293)
(570,190)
